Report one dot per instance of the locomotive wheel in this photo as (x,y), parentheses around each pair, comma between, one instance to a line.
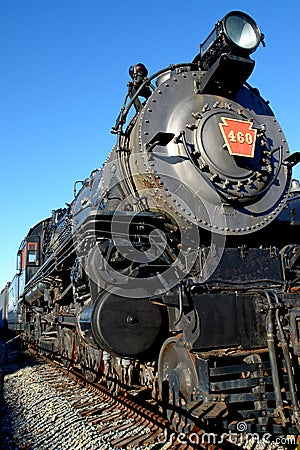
(177,380)
(113,384)
(111,376)
(89,374)
(66,359)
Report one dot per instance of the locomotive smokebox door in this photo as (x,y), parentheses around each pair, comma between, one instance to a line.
(126,326)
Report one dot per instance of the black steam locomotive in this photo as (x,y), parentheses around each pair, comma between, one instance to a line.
(177,266)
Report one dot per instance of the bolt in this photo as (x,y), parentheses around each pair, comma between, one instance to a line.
(131,319)
(262,127)
(239,186)
(197,115)
(226,183)
(204,167)
(269,168)
(191,126)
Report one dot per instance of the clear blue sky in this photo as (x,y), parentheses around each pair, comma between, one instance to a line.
(64,69)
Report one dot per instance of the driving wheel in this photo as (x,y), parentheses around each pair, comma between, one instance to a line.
(177,380)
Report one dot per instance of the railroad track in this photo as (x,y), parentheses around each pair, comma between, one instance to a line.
(56,408)
(121,421)
(129,422)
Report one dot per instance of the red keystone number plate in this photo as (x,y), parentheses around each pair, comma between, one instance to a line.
(239,137)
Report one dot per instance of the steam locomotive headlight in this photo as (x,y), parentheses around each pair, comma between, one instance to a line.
(241,31)
(235,34)
(225,54)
